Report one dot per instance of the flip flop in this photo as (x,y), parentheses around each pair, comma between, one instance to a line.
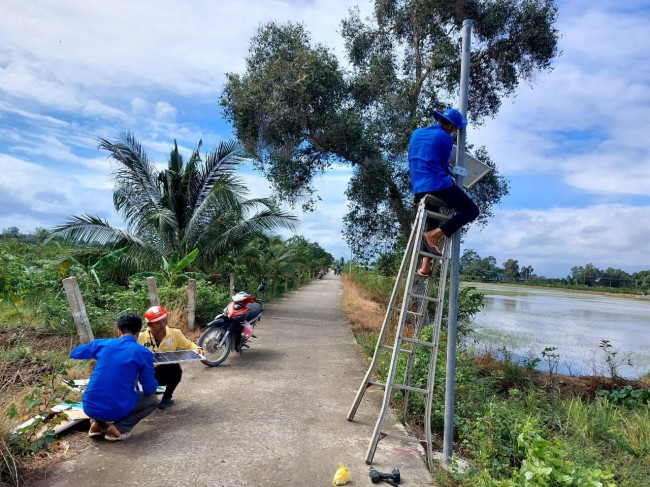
(122,437)
(92,433)
(430,249)
(428,274)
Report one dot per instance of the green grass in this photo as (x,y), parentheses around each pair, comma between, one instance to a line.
(514,433)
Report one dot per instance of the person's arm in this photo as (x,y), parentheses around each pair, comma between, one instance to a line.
(147,375)
(85,352)
(185,343)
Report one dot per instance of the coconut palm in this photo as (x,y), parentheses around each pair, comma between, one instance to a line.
(199,205)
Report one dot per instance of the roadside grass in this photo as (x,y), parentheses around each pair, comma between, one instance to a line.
(518,426)
(35,342)
(364,314)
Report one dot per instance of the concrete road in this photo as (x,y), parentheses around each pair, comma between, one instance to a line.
(275,416)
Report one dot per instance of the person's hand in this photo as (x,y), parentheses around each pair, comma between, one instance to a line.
(200,352)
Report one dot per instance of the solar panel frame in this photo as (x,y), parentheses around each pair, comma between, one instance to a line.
(476,170)
(176,357)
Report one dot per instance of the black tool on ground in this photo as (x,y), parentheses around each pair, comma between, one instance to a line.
(392,478)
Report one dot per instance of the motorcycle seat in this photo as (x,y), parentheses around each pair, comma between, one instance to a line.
(254,310)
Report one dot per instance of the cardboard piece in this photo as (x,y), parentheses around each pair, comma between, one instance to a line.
(73,410)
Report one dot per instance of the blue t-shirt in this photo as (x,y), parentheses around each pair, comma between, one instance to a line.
(111,393)
(429,153)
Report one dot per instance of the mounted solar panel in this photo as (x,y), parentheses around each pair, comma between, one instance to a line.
(475,168)
(176,357)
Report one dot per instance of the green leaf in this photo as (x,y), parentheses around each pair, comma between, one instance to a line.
(196,275)
(187,260)
(108,258)
(93,273)
(12,411)
(173,261)
(144,275)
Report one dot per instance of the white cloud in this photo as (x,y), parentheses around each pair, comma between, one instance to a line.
(59,50)
(587,119)
(37,196)
(554,240)
(74,71)
(164,111)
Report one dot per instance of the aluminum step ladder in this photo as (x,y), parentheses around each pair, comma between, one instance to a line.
(416,297)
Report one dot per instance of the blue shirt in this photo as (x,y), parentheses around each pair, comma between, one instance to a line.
(111,392)
(429,153)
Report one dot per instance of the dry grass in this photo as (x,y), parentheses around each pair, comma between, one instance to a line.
(178,319)
(363,313)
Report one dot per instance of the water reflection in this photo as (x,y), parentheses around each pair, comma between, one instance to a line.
(528,320)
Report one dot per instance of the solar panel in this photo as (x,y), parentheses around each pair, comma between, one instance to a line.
(475,168)
(176,357)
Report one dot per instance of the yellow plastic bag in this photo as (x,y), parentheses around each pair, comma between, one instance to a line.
(342,475)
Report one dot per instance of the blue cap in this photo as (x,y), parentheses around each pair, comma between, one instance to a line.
(451,115)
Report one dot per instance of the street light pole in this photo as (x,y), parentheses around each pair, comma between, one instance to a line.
(447,449)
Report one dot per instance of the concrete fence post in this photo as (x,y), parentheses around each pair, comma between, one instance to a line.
(153,291)
(232,283)
(78,309)
(191,304)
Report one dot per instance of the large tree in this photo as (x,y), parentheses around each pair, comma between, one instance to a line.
(297,110)
(200,204)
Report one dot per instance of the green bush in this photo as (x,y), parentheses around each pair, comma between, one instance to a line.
(627,396)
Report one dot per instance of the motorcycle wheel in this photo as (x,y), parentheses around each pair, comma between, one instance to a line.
(210,340)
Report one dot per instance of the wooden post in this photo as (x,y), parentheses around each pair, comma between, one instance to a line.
(78,308)
(153,291)
(191,303)
(232,283)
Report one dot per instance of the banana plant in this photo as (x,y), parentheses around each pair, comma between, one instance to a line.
(172,270)
(90,270)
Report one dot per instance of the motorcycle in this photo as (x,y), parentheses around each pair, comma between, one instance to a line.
(232,329)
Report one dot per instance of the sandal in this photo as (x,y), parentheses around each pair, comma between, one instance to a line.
(122,437)
(92,433)
(421,274)
(429,248)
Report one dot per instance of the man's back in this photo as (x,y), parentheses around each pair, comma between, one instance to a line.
(111,392)
(429,153)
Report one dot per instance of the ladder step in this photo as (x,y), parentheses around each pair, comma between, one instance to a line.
(418,342)
(426,298)
(412,313)
(401,387)
(432,256)
(437,216)
(401,350)
(403,438)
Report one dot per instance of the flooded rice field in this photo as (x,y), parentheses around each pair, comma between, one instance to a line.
(527,320)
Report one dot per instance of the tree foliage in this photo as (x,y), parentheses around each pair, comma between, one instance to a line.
(200,205)
(297,111)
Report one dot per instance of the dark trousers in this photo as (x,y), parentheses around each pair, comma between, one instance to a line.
(465,209)
(168,375)
(143,408)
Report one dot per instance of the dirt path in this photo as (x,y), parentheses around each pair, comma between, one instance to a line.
(274,417)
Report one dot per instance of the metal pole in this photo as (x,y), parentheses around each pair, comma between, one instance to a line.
(447,449)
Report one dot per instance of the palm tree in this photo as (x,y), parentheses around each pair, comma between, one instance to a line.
(198,205)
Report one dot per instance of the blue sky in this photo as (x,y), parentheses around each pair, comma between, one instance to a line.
(574,144)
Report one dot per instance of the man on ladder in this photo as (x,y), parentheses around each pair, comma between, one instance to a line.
(429,155)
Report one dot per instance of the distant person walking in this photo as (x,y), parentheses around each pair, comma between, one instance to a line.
(429,162)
